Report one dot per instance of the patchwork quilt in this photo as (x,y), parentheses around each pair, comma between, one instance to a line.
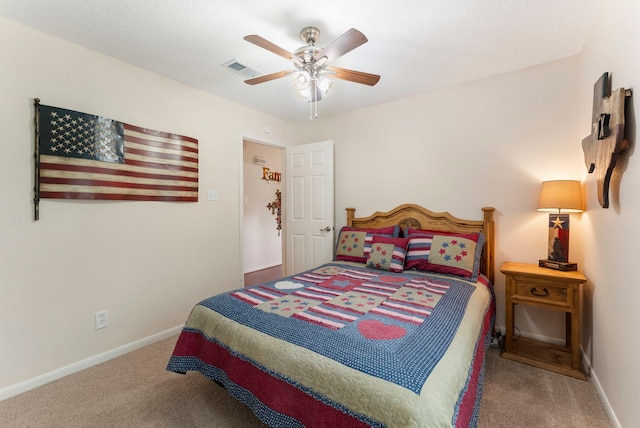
(345,345)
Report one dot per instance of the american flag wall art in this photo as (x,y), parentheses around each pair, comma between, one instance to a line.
(84,156)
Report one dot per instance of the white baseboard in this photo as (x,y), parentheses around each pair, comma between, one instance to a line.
(543,338)
(539,337)
(593,378)
(37,381)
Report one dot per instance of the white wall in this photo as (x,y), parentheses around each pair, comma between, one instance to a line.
(262,242)
(611,235)
(487,143)
(145,262)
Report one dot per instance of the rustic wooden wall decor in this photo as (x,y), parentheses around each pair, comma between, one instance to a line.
(607,140)
(276,209)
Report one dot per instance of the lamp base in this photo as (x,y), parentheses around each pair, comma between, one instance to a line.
(563,266)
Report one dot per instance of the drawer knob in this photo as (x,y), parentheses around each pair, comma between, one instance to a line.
(534,292)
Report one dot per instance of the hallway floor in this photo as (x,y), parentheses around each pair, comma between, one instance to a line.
(264,275)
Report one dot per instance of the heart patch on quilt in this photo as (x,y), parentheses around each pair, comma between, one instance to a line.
(377,330)
(288,285)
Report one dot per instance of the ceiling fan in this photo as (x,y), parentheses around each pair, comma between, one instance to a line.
(312,73)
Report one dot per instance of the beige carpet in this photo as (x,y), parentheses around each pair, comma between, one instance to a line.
(135,390)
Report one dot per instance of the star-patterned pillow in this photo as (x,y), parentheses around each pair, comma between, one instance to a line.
(351,242)
(451,253)
(387,253)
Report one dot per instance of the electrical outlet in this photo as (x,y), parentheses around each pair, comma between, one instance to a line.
(102,319)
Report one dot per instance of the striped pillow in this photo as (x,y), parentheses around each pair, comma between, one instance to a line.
(387,253)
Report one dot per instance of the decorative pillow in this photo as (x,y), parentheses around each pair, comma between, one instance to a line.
(444,252)
(419,247)
(387,253)
(351,242)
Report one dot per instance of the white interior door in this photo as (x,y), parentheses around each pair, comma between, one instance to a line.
(308,205)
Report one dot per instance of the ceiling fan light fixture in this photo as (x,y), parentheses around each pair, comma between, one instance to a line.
(310,63)
(301,80)
(324,84)
(303,93)
(316,88)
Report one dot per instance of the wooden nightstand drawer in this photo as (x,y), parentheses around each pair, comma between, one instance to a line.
(530,290)
(531,285)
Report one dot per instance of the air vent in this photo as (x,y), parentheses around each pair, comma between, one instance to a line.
(237,67)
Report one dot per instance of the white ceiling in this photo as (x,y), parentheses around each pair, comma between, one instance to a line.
(415,45)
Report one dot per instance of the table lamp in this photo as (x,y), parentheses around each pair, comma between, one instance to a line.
(560,197)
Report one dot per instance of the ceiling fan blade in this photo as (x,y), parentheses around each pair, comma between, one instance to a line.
(353,76)
(268,77)
(343,44)
(266,44)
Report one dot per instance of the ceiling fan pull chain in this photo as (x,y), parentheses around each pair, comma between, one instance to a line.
(315,105)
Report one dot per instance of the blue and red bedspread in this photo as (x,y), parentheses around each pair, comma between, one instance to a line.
(347,344)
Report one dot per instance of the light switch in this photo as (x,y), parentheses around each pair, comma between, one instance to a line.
(212,195)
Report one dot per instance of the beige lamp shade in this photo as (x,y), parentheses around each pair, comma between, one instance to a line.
(561,195)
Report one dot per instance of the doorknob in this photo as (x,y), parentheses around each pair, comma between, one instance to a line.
(326,229)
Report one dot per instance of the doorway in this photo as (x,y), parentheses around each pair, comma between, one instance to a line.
(262,232)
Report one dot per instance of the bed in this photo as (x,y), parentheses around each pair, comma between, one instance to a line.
(392,333)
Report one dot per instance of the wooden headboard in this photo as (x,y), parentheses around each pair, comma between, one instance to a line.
(417,217)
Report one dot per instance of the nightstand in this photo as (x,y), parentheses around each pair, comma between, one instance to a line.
(531,285)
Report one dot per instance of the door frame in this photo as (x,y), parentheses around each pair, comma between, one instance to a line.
(267,142)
